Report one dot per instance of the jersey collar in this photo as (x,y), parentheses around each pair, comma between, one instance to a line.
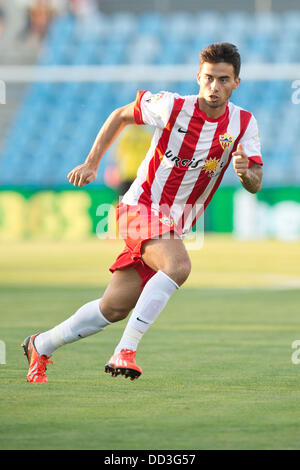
(206,118)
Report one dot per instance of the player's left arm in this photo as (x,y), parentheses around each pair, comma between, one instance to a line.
(251,178)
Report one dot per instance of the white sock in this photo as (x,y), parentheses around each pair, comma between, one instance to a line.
(152,301)
(87,321)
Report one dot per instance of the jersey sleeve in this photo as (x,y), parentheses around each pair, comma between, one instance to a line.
(251,143)
(154,110)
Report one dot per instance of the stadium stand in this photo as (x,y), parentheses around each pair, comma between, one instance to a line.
(57,122)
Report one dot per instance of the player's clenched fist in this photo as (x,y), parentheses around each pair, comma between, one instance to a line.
(240,161)
(82,175)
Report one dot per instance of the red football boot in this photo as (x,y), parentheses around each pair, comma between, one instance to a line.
(123,363)
(37,363)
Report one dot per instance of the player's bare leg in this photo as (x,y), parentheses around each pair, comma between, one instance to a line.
(169,258)
(168,255)
(121,294)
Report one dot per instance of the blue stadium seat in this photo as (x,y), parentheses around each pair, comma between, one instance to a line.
(144,50)
(123,25)
(179,25)
(268,22)
(238,22)
(209,23)
(290,20)
(57,122)
(151,23)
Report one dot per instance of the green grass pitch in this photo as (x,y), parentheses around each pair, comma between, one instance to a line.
(217,369)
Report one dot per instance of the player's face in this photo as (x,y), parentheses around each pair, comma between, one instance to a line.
(216,83)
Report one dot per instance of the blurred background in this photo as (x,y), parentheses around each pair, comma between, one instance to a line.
(65,65)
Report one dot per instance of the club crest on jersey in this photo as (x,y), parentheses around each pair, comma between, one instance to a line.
(225,140)
(167,221)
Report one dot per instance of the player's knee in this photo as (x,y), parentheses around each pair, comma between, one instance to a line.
(178,270)
(113,313)
(183,270)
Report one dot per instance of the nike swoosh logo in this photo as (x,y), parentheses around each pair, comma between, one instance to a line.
(142,321)
(182,131)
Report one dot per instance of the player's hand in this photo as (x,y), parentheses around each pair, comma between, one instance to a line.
(82,175)
(240,161)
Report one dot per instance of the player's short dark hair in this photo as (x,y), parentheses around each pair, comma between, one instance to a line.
(222,52)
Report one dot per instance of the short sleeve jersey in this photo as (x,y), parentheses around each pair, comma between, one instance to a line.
(189,153)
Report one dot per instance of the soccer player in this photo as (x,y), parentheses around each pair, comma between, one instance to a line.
(196,137)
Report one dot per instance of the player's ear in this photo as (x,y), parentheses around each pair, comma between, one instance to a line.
(237,82)
(198,77)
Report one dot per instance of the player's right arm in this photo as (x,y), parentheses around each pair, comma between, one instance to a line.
(85,173)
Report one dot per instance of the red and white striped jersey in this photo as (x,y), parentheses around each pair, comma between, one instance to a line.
(189,153)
